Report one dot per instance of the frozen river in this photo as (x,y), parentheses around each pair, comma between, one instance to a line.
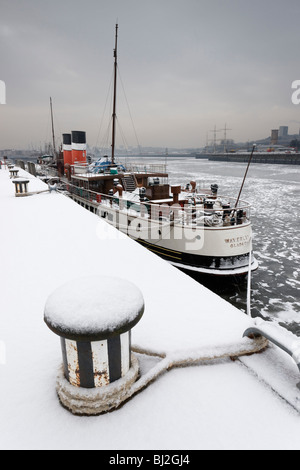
(274,193)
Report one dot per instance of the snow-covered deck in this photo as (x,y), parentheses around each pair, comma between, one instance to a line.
(46,240)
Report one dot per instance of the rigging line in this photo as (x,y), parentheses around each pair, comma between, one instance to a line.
(105,106)
(249,279)
(105,141)
(47,128)
(57,124)
(129,109)
(122,134)
(53,133)
(47,134)
(104,146)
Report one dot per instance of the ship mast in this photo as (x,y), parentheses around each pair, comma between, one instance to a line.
(114,100)
(53,138)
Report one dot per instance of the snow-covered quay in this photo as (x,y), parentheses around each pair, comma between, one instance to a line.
(214,402)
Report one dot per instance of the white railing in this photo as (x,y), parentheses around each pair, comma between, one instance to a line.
(151,168)
(183,213)
(83,168)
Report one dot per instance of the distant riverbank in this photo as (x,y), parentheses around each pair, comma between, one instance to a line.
(258,157)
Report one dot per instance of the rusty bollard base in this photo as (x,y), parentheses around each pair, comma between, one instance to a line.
(93,317)
(95,401)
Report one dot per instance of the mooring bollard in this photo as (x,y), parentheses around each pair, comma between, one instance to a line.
(21,186)
(93,317)
(21,164)
(13,173)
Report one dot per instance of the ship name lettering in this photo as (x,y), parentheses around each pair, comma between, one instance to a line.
(236,242)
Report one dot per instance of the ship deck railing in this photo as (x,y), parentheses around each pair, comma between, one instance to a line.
(82,168)
(166,211)
(151,168)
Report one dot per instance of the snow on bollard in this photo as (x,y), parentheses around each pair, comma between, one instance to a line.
(94,317)
(21,186)
(13,173)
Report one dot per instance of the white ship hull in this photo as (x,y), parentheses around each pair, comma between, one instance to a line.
(217,250)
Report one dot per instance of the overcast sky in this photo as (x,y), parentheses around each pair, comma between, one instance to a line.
(185,66)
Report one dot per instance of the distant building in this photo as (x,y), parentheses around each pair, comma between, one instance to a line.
(274,136)
(283,131)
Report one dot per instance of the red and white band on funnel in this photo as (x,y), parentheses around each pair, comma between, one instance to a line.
(67,149)
(78,147)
